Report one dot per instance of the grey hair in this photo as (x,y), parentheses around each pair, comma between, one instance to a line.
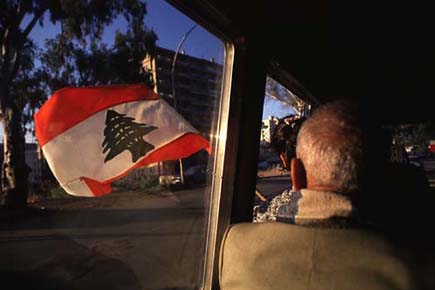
(329,145)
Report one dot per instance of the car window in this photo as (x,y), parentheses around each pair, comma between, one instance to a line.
(273,177)
(412,143)
(150,232)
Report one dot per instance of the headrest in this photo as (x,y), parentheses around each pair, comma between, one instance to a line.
(282,256)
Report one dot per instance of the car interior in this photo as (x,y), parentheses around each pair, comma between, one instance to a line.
(377,53)
(380,54)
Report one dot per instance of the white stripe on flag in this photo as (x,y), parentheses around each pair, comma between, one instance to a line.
(78,151)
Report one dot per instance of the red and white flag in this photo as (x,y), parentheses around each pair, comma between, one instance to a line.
(92,136)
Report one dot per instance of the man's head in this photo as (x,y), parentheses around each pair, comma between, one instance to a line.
(284,138)
(330,150)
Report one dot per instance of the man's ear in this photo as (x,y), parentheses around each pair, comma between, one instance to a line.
(298,174)
(284,161)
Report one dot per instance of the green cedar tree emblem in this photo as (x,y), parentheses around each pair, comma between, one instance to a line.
(122,133)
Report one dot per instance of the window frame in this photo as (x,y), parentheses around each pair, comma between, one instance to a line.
(239,125)
(227,142)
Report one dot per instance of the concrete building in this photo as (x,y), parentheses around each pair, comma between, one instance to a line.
(267,129)
(192,85)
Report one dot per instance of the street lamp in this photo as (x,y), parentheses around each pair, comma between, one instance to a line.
(180,44)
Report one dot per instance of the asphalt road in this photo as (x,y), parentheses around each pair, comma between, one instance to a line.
(271,186)
(126,240)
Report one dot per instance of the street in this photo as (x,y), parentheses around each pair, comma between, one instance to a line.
(125,240)
(270,186)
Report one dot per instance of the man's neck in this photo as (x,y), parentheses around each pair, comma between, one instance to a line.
(321,187)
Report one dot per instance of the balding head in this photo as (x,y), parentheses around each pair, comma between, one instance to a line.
(330,147)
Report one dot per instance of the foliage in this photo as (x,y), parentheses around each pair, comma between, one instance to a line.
(50,190)
(82,24)
(145,183)
(149,184)
(75,57)
(97,64)
(26,88)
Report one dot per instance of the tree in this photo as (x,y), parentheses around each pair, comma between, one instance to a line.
(22,88)
(95,63)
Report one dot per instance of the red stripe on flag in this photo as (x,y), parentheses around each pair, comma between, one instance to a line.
(181,147)
(97,188)
(69,106)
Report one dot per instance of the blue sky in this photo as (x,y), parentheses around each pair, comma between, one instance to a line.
(275,108)
(170,25)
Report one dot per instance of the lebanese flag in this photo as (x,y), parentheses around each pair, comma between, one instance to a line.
(92,136)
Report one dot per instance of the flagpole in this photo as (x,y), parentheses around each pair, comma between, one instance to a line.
(180,44)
